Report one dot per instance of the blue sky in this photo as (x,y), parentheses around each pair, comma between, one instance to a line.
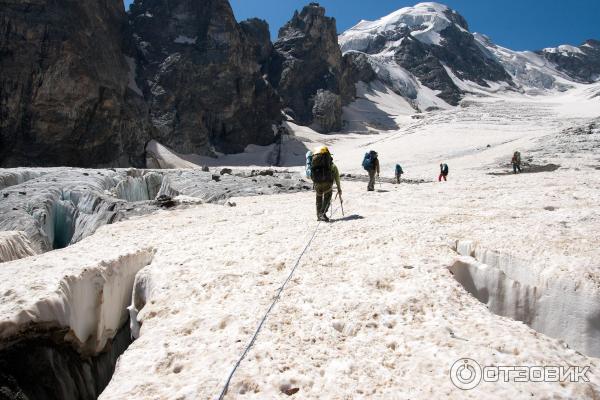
(517,24)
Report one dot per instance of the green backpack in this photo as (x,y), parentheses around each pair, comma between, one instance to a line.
(320,168)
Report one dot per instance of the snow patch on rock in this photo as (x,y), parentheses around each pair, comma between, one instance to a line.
(132,84)
(564,49)
(181,39)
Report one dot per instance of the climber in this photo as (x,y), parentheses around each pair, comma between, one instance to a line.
(399,173)
(516,162)
(443,172)
(371,165)
(323,173)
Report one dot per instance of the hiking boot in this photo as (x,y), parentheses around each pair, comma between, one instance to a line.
(324,218)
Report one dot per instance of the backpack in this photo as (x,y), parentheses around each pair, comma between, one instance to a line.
(399,170)
(308,166)
(369,160)
(445,169)
(320,168)
(518,157)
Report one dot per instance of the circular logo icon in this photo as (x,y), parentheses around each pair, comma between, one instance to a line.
(465,374)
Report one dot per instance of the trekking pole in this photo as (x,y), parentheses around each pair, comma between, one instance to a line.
(331,204)
(342,205)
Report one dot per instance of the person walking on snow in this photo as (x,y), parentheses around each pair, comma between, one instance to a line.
(323,173)
(443,172)
(399,173)
(516,162)
(371,165)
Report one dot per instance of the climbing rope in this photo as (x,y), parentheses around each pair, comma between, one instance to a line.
(275,299)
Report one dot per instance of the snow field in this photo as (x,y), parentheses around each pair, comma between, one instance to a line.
(371,312)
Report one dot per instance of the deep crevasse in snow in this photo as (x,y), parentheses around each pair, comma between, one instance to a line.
(551,303)
(91,302)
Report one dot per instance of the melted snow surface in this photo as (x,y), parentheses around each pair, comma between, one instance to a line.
(371,312)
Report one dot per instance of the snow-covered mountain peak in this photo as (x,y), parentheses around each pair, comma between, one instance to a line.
(427,51)
(412,49)
(423,21)
(563,49)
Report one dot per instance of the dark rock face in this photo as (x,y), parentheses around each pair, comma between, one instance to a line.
(259,38)
(306,69)
(355,68)
(65,92)
(327,111)
(420,60)
(457,19)
(46,368)
(583,66)
(467,60)
(203,72)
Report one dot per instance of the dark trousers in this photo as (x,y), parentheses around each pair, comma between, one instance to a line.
(516,167)
(371,185)
(442,175)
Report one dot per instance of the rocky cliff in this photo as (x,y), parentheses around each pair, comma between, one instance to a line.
(203,75)
(85,84)
(306,69)
(66,94)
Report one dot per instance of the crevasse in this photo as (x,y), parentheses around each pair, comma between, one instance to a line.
(554,304)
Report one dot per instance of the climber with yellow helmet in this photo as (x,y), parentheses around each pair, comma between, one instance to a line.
(323,173)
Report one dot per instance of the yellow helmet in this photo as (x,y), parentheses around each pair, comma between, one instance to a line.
(321,150)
